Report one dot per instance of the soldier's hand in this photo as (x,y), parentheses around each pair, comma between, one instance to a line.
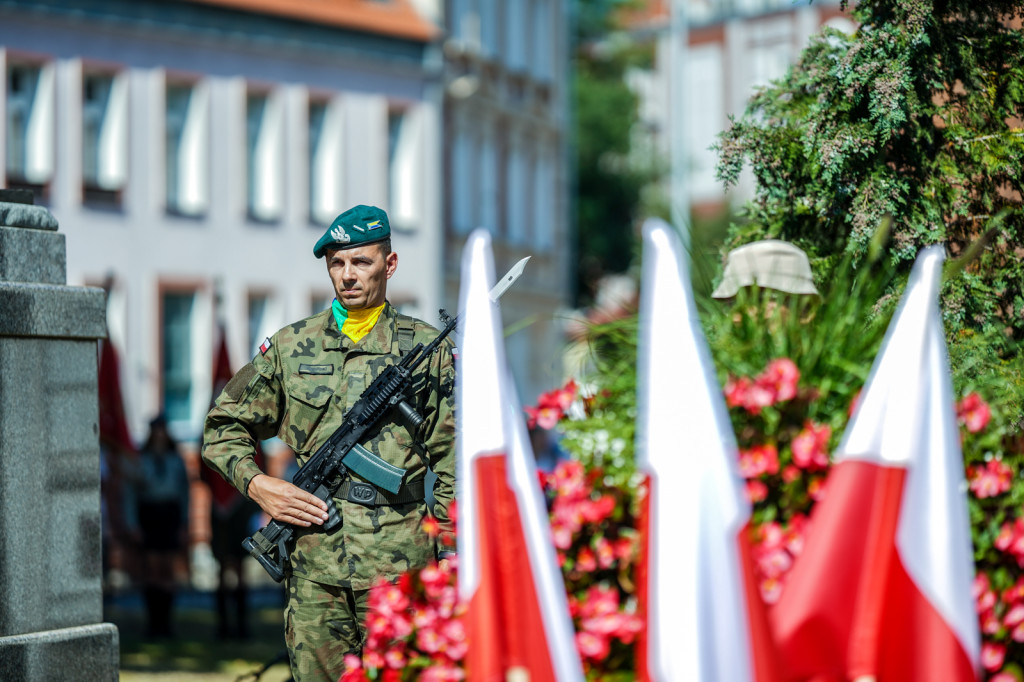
(286,502)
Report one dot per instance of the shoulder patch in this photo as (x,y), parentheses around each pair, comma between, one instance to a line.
(265,346)
(236,386)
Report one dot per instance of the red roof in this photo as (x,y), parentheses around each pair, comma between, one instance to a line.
(395,18)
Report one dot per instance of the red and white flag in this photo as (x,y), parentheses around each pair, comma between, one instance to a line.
(703,615)
(882,589)
(517,619)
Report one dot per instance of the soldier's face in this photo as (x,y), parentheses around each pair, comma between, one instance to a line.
(360,275)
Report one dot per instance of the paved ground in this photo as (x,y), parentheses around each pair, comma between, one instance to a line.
(196,654)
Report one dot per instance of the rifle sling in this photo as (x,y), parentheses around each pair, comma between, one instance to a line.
(369,495)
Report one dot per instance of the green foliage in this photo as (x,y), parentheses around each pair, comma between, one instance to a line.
(917,116)
(610,184)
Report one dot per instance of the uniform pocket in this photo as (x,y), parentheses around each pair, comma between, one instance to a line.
(309,399)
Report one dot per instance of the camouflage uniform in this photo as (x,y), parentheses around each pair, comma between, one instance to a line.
(299,389)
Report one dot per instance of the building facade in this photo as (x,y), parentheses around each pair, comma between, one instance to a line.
(195,151)
(733,47)
(506,121)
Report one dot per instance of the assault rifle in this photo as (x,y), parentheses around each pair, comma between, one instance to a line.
(325,472)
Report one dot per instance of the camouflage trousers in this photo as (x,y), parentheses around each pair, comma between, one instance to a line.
(322,623)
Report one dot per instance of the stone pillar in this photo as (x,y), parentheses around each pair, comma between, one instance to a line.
(51,599)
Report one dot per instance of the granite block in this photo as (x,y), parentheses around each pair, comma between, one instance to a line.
(87,653)
(49,310)
(26,215)
(32,256)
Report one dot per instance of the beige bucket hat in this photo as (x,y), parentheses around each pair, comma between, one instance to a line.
(771,263)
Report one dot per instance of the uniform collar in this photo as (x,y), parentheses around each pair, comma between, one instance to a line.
(377,341)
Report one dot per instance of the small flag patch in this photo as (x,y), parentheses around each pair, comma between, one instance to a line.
(265,346)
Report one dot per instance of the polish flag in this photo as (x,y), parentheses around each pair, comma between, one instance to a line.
(517,621)
(704,619)
(882,589)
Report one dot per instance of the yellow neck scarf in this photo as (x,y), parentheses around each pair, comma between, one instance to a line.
(356,323)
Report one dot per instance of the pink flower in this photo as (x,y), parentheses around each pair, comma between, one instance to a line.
(605,553)
(551,406)
(990,623)
(810,447)
(585,560)
(431,526)
(816,489)
(990,480)
(1015,616)
(544,417)
(1004,677)
(790,473)
(992,656)
(771,590)
(756,491)
(592,646)
(973,412)
(1005,537)
(780,378)
(373,659)
(760,459)
(440,672)
(353,670)
(596,511)
(736,391)
(395,657)
(750,396)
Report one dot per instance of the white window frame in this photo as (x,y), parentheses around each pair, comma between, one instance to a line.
(104,130)
(191,150)
(264,156)
(37,142)
(325,161)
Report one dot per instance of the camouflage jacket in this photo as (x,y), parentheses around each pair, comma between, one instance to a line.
(299,389)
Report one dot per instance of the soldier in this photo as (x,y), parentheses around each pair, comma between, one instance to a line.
(298,388)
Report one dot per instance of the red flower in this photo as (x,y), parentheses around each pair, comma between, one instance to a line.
(973,412)
(760,459)
(810,447)
(994,478)
(992,656)
(752,397)
(431,526)
(780,378)
(585,561)
(592,646)
(551,406)
(756,491)
(353,670)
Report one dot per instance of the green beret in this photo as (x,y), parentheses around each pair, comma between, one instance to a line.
(358,226)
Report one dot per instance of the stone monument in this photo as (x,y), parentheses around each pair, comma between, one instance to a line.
(51,599)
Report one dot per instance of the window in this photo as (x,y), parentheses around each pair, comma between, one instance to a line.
(320,302)
(463,184)
(264,157)
(543,48)
(325,161)
(515,36)
(104,137)
(176,351)
(186,129)
(30,125)
(264,313)
(487,201)
(401,169)
(543,218)
(517,203)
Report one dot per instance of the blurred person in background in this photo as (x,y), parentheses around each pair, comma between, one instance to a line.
(231,517)
(156,517)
